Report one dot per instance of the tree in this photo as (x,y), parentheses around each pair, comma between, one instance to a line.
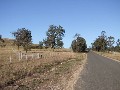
(92,46)
(46,43)
(76,35)
(55,35)
(73,46)
(40,44)
(100,44)
(117,47)
(103,35)
(60,44)
(79,44)
(23,38)
(110,42)
(0,36)
(118,42)
(104,40)
(2,42)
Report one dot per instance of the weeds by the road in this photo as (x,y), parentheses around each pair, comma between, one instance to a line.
(112,55)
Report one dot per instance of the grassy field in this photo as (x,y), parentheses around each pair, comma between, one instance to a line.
(55,70)
(113,55)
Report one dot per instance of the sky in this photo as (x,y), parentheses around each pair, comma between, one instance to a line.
(86,17)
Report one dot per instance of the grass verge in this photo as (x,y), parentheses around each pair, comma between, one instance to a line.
(112,55)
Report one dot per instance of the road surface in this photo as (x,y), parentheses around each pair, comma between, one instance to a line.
(100,73)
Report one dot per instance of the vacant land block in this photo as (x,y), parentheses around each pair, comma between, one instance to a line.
(52,70)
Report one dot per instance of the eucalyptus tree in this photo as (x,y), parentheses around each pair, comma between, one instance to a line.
(97,44)
(117,47)
(23,38)
(1,39)
(103,38)
(0,36)
(59,44)
(118,42)
(100,44)
(55,35)
(103,35)
(92,44)
(40,44)
(46,43)
(73,45)
(76,35)
(2,42)
(79,44)
(110,42)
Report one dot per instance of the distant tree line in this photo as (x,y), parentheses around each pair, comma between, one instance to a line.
(53,40)
(54,37)
(104,43)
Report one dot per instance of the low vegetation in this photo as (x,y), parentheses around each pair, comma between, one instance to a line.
(51,72)
(112,55)
(43,66)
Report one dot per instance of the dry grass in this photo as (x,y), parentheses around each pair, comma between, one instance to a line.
(113,55)
(52,71)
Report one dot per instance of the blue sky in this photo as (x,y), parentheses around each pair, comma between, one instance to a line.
(86,17)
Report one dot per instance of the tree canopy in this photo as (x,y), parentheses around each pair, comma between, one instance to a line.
(79,44)
(54,38)
(23,38)
(103,43)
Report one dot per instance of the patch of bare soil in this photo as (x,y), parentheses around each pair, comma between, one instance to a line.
(75,76)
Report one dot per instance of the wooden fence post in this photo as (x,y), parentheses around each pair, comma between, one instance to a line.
(19,56)
(32,56)
(10,59)
(38,55)
(26,57)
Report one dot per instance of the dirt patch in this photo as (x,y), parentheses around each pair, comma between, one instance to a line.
(75,75)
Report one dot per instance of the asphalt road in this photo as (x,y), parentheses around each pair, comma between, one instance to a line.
(100,73)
